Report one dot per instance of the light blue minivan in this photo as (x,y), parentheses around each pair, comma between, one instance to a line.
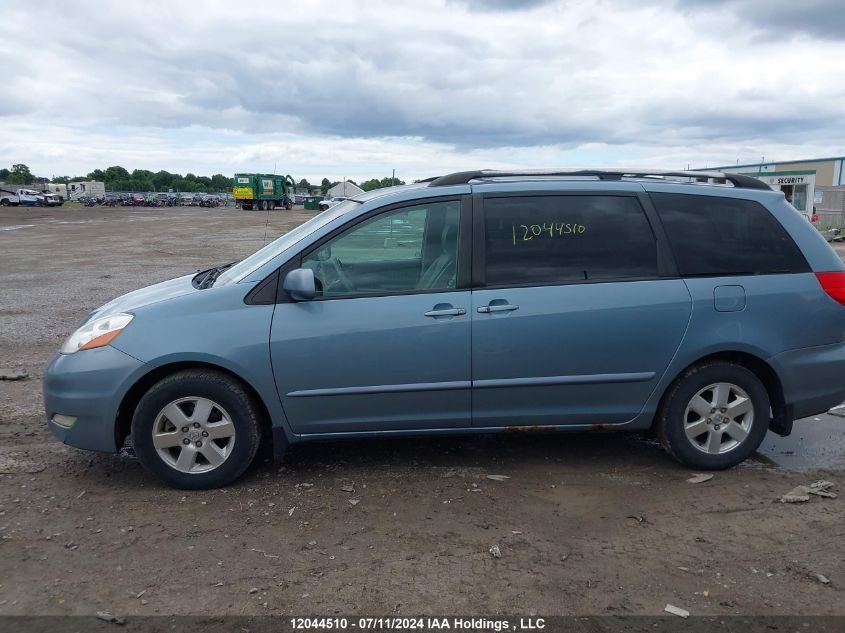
(699,305)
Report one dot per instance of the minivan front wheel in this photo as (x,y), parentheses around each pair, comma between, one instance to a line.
(714,416)
(196,429)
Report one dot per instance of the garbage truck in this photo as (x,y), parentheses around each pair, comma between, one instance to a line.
(263,191)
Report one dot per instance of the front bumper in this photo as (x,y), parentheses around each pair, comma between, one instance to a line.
(89,387)
(813,378)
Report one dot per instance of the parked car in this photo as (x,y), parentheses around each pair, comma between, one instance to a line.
(52,200)
(330,202)
(477,302)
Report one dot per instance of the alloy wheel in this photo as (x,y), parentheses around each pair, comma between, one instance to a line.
(718,418)
(193,435)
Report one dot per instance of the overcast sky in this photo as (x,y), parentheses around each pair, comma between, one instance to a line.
(356,89)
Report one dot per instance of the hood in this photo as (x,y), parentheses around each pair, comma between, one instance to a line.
(146,296)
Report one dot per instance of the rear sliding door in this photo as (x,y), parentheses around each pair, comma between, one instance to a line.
(576,313)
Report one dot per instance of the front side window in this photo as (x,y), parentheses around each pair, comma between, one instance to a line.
(404,250)
(716,236)
(559,239)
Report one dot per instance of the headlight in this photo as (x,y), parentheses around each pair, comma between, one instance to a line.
(97,332)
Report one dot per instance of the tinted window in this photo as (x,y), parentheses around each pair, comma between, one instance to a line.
(413,248)
(548,239)
(726,236)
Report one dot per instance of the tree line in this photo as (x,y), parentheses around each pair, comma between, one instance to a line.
(117,178)
(366,185)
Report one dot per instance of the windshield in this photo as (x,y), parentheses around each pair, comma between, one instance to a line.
(268,252)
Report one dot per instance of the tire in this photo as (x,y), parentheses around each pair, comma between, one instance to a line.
(693,399)
(216,449)
(4,202)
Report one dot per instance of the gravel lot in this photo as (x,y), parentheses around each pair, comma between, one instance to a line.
(586,524)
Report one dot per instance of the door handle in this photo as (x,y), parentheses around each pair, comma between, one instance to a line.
(505,307)
(445,312)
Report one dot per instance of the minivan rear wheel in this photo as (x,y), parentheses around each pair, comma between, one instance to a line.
(714,416)
(196,429)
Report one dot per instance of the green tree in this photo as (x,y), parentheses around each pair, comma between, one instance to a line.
(116,172)
(221,183)
(20,175)
(375,183)
(163,180)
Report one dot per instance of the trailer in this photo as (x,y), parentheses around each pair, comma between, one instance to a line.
(263,191)
(86,189)
(58,188)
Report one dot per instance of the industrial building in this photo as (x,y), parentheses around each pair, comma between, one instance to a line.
(345,189)
(807,184)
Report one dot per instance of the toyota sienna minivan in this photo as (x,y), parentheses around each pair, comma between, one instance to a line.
(701,306)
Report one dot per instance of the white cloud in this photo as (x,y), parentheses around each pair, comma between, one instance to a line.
(358,88)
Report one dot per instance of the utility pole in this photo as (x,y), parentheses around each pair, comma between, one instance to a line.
(393,178)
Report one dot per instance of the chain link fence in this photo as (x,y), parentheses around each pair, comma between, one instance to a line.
(831,209)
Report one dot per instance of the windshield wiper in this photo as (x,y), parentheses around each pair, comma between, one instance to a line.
(206,278)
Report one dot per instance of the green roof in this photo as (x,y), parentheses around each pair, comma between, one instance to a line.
(779,162)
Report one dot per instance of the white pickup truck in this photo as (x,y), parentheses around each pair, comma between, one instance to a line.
(26,197)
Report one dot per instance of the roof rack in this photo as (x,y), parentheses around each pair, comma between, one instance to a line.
(464,177)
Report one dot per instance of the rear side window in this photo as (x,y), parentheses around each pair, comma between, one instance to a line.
(726,236)
(559,239)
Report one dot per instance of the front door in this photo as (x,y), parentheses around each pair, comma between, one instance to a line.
(385,346)
(576,320)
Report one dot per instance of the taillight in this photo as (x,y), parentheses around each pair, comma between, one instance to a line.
(834,285)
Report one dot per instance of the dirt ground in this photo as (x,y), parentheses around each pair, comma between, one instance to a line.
(586,524)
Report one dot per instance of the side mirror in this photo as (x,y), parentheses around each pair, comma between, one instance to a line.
(299,284)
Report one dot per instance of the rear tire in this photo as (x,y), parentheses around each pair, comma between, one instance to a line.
(714,416)
(196,429)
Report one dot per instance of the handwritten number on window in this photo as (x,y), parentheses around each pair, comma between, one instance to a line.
(527,232)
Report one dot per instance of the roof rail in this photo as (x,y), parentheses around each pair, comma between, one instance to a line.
(464,177)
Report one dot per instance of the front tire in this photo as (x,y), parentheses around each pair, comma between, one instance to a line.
(714,416)
(196,429)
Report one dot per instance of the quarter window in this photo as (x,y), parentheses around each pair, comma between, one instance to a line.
(409,249)
(712,235)
(558,239)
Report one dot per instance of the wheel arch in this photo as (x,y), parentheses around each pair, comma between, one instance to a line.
(781,420)
(126,409)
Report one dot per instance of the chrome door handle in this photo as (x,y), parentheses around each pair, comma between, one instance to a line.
(507,307)
(445,312)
